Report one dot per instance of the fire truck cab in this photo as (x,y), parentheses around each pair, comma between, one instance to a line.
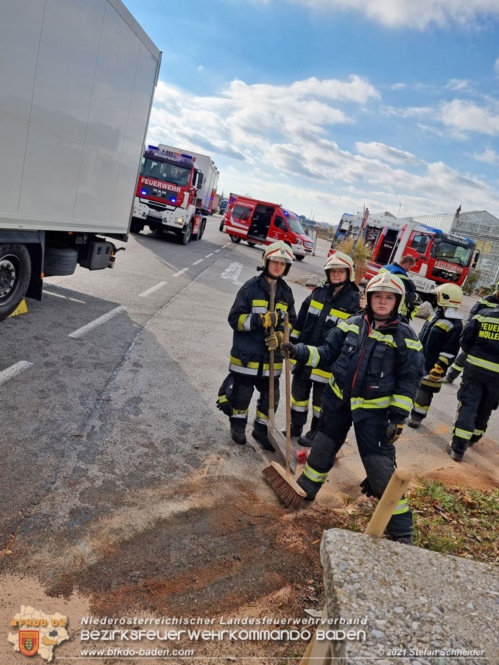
(262,223)
(440,257)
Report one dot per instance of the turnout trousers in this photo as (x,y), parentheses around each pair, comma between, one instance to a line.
(426,391)
(378,457)
(244,386)
(301,388)
(477,397)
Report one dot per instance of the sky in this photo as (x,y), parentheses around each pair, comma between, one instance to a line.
(327,106)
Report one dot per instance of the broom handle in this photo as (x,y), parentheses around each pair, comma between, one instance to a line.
(288,398)
(271,363)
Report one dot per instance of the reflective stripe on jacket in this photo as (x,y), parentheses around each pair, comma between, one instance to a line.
(249,354)
(320,312)
(440,339)
(371,368)
(480,340)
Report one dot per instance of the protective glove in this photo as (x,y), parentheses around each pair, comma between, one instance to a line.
(288,349)
(365,487)
(274,341)
(393,431)
(436,373)
(271,319)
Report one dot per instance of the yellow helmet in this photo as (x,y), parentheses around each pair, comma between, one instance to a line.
(386,281)
(278,250)
(449,295)
(340,260)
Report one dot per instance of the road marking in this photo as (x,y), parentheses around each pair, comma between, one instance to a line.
(180,272)
(196,262)
(97,322)
(232,272)
(59,295)
(151,290)
(217,250)
(13,370)
(208,255)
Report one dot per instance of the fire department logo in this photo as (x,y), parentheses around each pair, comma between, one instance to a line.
(37,633)
(29,641)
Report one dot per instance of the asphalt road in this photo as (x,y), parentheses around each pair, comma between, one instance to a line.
(114,457)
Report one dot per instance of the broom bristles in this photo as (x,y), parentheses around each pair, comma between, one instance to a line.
(286,488)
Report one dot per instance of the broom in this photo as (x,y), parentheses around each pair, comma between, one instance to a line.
(281,480)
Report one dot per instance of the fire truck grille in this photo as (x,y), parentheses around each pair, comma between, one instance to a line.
(448,275)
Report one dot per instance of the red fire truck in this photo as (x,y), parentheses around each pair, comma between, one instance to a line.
(440,257)
(170,195)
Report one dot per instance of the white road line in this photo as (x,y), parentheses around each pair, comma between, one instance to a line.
(196,262)
(13,370)
(232,272)
(59,295)
(208,255)
(151,290)
(97,322)
(217,250)
(180,272)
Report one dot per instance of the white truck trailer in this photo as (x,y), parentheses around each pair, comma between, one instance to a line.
(76,88)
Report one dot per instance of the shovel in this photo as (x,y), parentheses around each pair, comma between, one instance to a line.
(277,438)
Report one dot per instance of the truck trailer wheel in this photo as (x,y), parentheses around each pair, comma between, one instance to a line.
(59,261)
(199,234)
(15,273)
(136,226)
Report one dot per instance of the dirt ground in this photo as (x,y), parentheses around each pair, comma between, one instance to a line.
(239,555)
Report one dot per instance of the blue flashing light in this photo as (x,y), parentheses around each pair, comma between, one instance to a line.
(173,199)
(153,147)
(286,213)
(144,192)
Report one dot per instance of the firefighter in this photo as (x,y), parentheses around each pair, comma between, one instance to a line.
(251,321)
(401,269)
(335,300)
(484,303)
(440,339)
(478,394)
(377,364)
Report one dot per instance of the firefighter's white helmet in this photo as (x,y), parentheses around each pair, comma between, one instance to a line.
(278,251)
(449,295)
(340,260)
(386,281)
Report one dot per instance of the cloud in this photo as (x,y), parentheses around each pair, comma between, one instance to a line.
(293,144)
(387,154)
(465,116)
(488,156)
(457,84)
(413,14)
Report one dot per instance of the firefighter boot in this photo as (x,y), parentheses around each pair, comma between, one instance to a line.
(451,376)
(261,434)
(414,422)
(457,457)
(308,438)
(237,431)
(309,486)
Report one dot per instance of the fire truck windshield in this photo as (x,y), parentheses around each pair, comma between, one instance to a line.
(451,252)
(295,225)
(173,173)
